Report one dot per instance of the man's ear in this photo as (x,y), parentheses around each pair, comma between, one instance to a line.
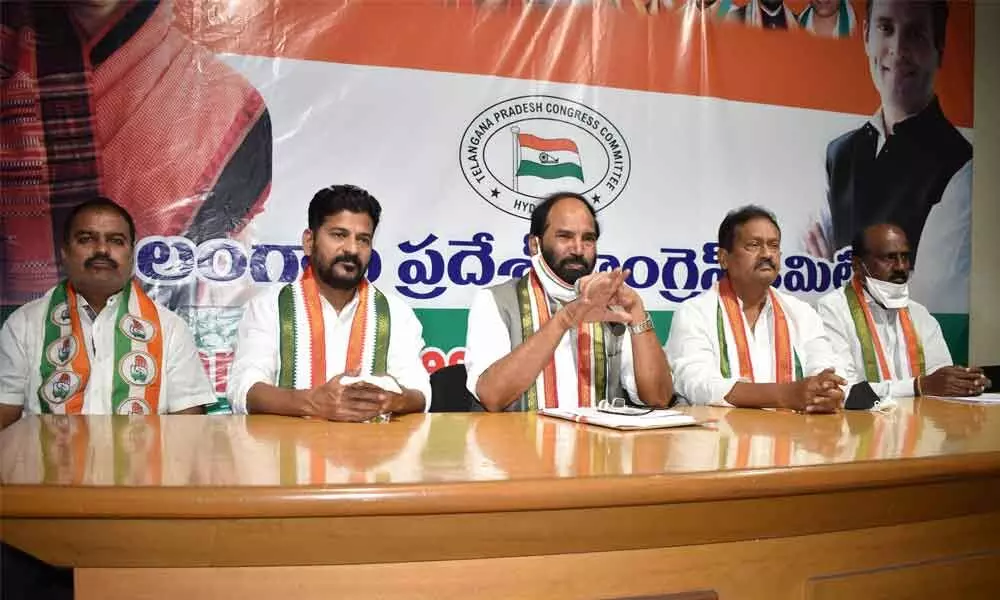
(534,244)
(723,256)
(857,265)
(307,241)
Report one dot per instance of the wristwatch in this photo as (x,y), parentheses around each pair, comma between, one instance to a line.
(642,326)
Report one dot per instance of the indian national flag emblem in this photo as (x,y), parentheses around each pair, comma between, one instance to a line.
(547,158)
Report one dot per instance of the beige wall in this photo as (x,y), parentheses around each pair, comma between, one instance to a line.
(984,312)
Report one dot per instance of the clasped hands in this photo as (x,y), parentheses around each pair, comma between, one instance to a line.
(604,297)
(358,401)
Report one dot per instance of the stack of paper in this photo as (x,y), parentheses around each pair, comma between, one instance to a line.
(655,419)
(991,398)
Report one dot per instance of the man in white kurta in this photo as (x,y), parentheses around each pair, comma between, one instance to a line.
(257,358)
(96,344)
(693,347)
(557,337)
(331,345)
(889,339)
(745,344)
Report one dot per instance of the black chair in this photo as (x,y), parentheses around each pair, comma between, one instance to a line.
(24,576)
(448,391)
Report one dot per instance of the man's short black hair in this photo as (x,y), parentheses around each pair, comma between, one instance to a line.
(859,244)
(540,215)
(97,203)
(740,216)
(939,19)
(336,198)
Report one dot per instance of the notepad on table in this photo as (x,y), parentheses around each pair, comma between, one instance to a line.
(991,398)
(656,419)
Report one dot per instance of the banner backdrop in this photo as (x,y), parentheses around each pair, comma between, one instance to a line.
(214,122)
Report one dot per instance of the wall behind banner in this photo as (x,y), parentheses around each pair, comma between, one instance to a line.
(459,119)
(985,280)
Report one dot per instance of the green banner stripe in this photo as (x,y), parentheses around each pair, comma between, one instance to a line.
(720,329)
(286,337)
(555,171)
(382,330)
(600,364)
(123,345)
(527,330)
(872,371)
(51,333)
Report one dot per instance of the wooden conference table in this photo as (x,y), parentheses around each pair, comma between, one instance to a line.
(762,505)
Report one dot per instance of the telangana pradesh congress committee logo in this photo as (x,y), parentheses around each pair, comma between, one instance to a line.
(520,150)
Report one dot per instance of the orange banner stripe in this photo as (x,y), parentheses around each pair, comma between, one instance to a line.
(356,346)
(736,325)
(549,373)
(743,451)
(879,352)
(81,362)
(584,368)
(317,331)
(783,370)
(594,45)
(531,141)
(317,468)
(912,342)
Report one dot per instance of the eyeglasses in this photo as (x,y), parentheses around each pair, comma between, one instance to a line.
(618,406)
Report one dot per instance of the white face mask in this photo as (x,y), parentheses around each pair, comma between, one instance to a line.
(887,293)
(553,285)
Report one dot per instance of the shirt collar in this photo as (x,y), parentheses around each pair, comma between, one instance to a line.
(88,310)
(349,308)
(929,113)
(767,304)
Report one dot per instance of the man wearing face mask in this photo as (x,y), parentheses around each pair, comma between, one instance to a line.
(96,343)
(745,344)
(296,345)
(890,340)
(555,337)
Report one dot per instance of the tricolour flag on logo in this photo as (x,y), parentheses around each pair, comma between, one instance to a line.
(548,158)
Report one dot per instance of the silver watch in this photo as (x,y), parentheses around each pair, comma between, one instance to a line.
(642,326)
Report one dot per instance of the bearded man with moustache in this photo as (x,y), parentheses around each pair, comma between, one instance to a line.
(296,345)
(556,338)
(745,344)
(892,341)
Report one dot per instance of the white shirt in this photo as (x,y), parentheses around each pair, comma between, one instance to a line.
(693,346)
(836,315)
(183,383)
(487,341)
(256,350)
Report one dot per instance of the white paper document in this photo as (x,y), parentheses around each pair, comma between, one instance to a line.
(655,419)
(990,398)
